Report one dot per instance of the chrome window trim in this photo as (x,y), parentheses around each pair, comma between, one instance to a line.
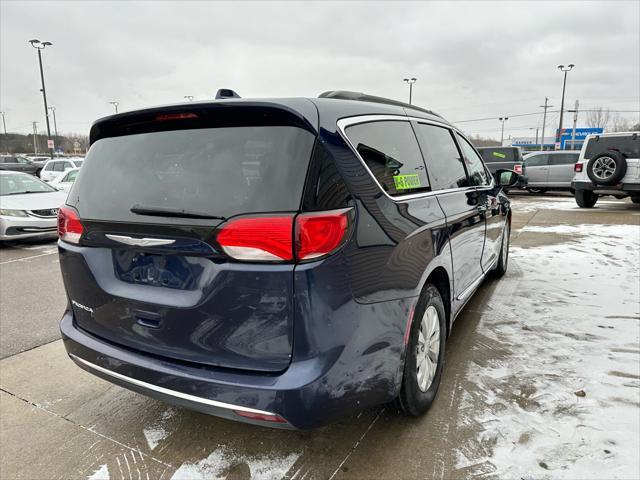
(167,391)
(344,123)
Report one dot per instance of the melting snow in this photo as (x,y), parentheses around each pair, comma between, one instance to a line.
(158,432)
(101,474)
(573,323)
(219,462)
(529,204)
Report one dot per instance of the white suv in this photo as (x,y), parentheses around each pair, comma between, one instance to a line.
(54,168)
(609,164)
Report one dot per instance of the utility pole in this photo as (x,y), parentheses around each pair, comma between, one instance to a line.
(38,45)
(6,138)
(502,119)
(575,121)
(35,137)
(546,106)
(410,82)
(564,69)
(55,123)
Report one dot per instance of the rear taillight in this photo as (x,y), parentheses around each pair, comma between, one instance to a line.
(175,116)
(285,238)
(69,225)
(577,167)
(517,168)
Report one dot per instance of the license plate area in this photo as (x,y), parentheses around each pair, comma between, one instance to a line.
(168,271)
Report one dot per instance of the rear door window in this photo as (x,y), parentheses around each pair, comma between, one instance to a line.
(628,146)
(537,160)
(445,165)
(212,171)
(390,150)
(499,154)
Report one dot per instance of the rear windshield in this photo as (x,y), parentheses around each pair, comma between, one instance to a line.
(629,146)
(213,171)
(499,154)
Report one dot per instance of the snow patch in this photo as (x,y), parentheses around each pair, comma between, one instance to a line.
(157,432)
(102,473)
(220,461)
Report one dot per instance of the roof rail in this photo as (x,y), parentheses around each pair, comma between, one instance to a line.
(363,97)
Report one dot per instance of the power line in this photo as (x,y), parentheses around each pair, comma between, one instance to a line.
(540,113)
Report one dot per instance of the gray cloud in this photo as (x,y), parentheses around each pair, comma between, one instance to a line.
(472,59)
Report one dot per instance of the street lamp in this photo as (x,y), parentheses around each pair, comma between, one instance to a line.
(38,45)
(189,97)
(564,69)
(537,130)
(410,82)
(502,119)
(115,105)
(55,123)
(6,138)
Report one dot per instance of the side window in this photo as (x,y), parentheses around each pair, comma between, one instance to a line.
(537,160)
(564,158)
(444,165)
(58,166)
(390,150)
(48,167)
(475,167)
(9,160)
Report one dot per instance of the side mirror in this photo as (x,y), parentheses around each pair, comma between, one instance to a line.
(506,178)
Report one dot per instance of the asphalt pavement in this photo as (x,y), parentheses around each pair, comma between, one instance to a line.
(564,320)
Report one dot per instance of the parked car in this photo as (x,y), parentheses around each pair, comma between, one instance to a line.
(609,164)
(551,170)
(28,206)
(16,163)
(56,166)
(279,262)
(39,161)
(65,180)
(510,158)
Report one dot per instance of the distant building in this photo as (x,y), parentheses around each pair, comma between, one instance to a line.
(566,140)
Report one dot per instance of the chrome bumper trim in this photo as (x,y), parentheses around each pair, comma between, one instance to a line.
(166,391)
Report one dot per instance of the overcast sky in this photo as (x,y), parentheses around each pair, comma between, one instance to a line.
(472,60)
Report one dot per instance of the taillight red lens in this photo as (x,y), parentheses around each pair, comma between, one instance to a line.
(69,226)
(258,238)
(319,234)
(262,417)
(271,239)
(577,167)
(175,116)
(518,169)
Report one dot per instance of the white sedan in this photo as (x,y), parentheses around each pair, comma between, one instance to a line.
(28,206)
(65,180)
(55,167)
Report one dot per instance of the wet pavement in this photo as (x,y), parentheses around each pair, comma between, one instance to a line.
(563,322)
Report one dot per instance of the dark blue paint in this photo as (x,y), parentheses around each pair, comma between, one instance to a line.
(310,342)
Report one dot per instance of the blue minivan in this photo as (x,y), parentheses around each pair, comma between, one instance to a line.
(283,262)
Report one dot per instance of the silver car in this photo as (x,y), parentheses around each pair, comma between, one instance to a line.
(550,170)
(28,206)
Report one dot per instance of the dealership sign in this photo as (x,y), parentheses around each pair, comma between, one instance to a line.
(581,134)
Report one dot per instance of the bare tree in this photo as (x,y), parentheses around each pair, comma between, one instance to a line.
(598,117)
(619,124)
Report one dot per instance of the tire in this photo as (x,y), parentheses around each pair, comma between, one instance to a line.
(607,168)
(415,399)
(537,190)
(635,199)
(585,198)
(503,260)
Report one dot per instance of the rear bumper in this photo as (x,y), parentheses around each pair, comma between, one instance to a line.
(304,396)
(621,188)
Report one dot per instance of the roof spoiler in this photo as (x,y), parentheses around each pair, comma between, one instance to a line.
(363,97)
(226,93)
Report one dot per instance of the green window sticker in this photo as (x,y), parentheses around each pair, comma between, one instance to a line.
(498,154)
(405,182)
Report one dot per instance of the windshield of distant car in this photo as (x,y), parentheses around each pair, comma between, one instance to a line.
(22,183)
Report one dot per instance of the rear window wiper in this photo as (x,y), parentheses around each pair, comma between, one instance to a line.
(170,212)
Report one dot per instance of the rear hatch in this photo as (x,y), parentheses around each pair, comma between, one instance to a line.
(155,190)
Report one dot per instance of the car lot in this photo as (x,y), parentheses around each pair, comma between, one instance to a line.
(564,319)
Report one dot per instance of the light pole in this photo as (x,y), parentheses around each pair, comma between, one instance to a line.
(6,139)
(502,119)
(189,98)
(536,129)
(564,69)
(38,45)
(115,105)
(410,82)
(55,123)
